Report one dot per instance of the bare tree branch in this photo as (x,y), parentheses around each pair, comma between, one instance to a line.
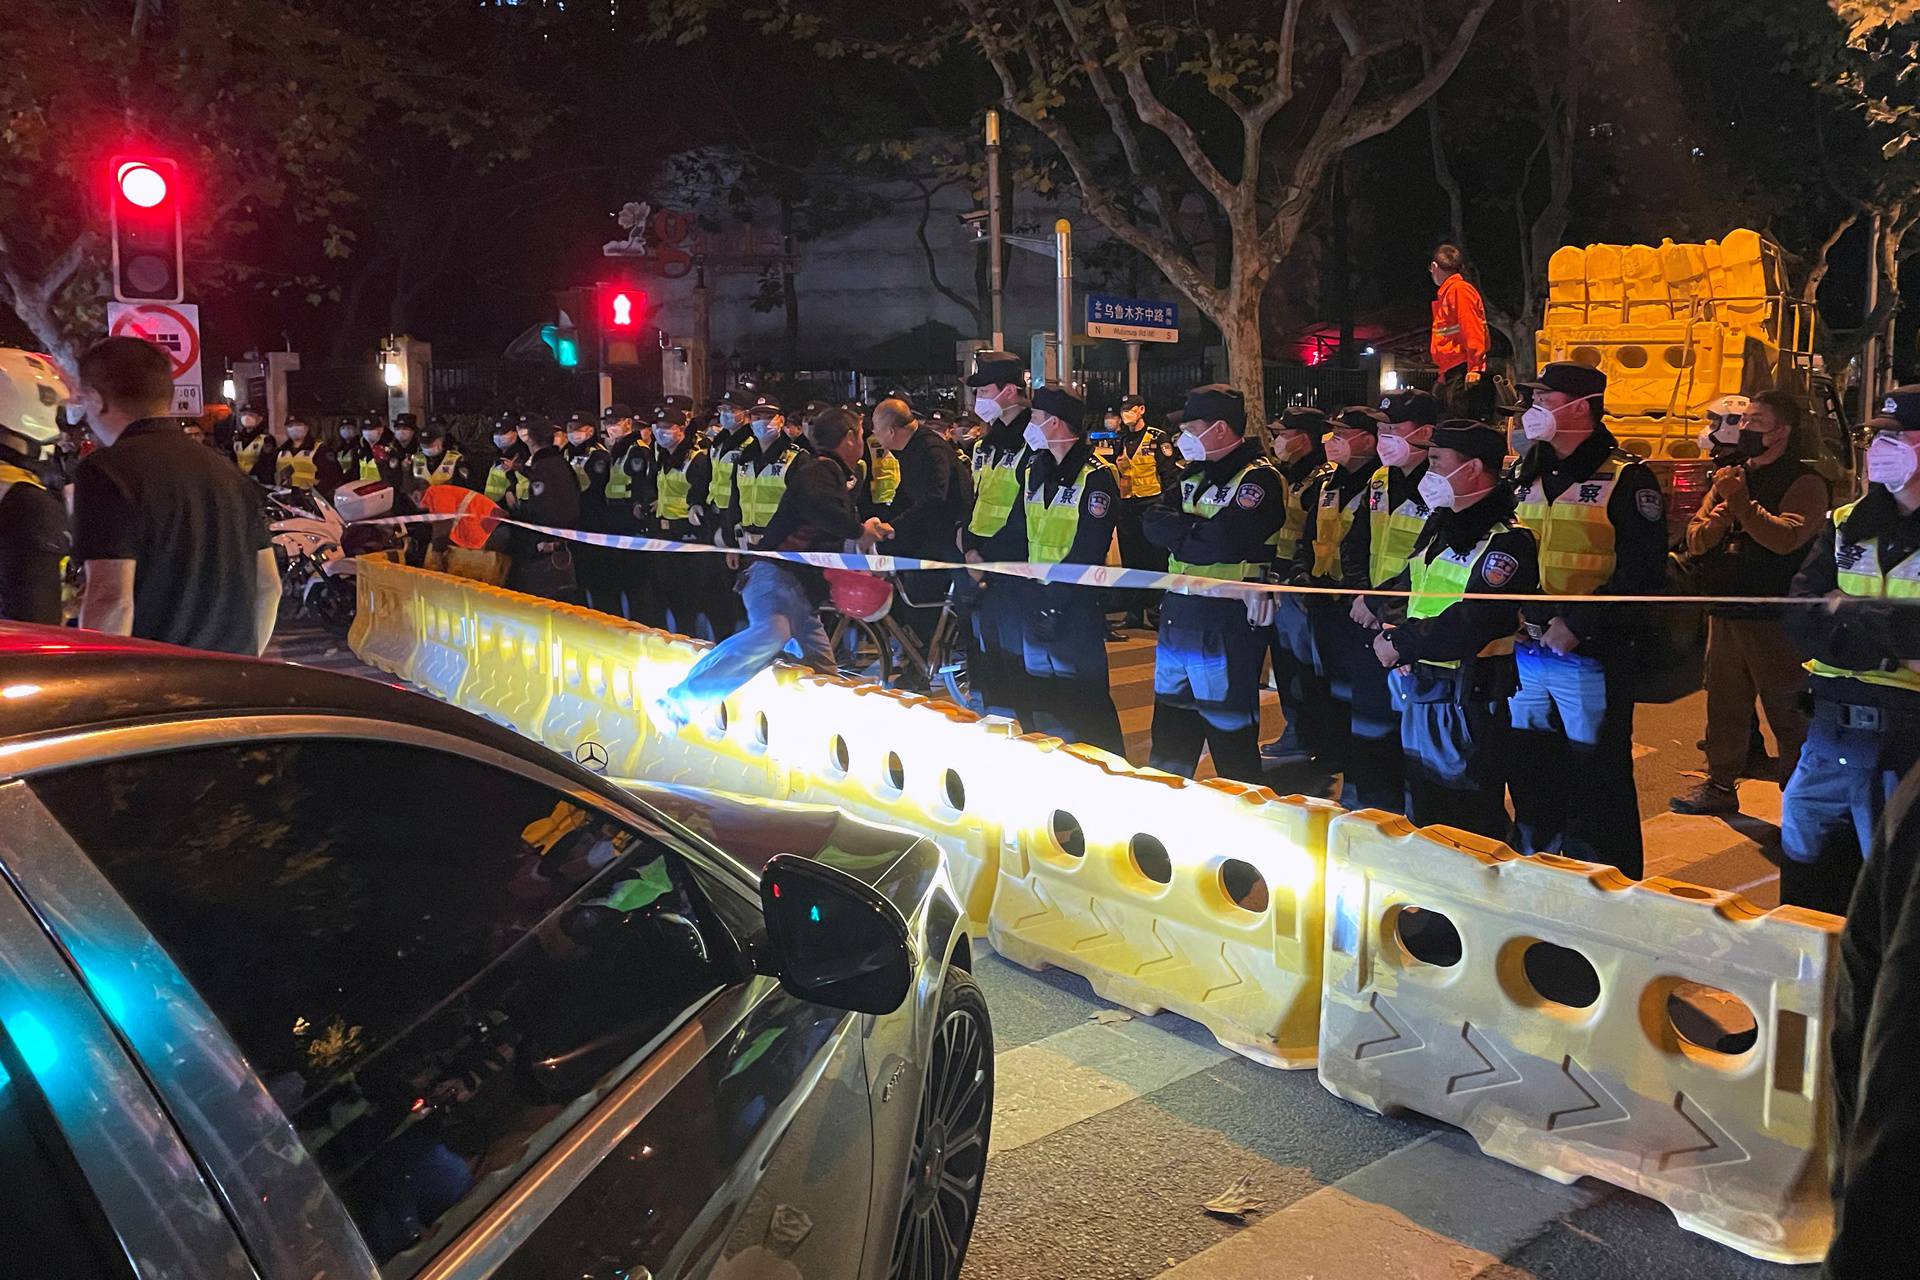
(1376,118)
(1147,103)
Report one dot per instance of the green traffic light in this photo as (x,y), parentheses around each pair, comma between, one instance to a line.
(567,352)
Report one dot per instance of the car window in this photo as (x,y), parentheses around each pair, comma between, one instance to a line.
(435,966)
(53,1225)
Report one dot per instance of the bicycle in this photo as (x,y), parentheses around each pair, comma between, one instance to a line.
(869,643)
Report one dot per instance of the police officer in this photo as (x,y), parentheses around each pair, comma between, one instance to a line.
(297,466)
(996,530)
(692,587)
(760,472)
(379,457)
(1217,522)
(543,563)
(436,462)
(1145,460)
(1364,744)
(1452,658)
(1865,651)
(406,440)
(1070,497)
(627,497)
(1306,700)
(1601,522)
(735,432)
(337,460)
(254,449)
(596,569)
(33,523)
(506,478)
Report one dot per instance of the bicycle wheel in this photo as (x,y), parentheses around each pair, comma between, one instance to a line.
(947,657)
(859,649)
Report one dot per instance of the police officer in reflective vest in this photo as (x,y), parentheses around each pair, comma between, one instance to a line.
(734,432)
(1338,553)
(1070,499)
(628,586)
(1218,522)
(437,462)
(1305,698)
(506,471)
(760,472)
(295,468)
(1450,658)
(254,448)
(692,588)
(377,458)
(1145,460)
(1865,651)
(1601,522)
(995,530)
(337,460)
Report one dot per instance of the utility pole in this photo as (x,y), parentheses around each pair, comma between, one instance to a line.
(1870,352)
(1133,368)
(1063,256)
(994,272)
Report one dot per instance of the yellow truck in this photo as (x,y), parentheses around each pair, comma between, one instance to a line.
(1678,326)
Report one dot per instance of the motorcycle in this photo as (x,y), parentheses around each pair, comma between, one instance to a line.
(318,548)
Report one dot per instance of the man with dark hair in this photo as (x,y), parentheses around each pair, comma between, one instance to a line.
(783,598)
(1217,522)
(171,534)
(1458,342)
(543,563)
(1747,539)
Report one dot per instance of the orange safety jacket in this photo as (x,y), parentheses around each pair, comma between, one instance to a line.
(1459,327)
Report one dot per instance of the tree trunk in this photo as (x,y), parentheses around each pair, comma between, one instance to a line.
(1246,368)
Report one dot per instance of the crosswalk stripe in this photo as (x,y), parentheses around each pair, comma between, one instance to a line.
(1076,1074)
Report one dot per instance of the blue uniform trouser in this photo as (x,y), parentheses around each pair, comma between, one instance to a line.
(780,615)
(1833,804)
(1571,754)
(997,668)
(1305,699)
(1206,688)
(1064,647)
(1454,746)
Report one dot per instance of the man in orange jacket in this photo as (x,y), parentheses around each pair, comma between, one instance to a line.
(1459,339)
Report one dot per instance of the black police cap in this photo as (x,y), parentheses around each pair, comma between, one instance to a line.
(1571,379)
(1061,403)
(666,416)
(1359,417)
(997,368)
(1309,421)
(1216,402)
(406,420)
(1902,404)
(1474,439)
(1132,402)
(768,403)
(615,412)
(1411,405)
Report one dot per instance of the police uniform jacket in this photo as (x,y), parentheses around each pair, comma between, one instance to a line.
(1465,629)
(1240,531)
(1871,637)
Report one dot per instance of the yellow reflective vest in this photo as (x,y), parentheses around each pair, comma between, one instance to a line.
(1575,532)
(1139,470)
(431,473)
(996,487)
(247,452)
(1860,573)
(673,489)
(762,484)
(499,480)
(1286,539)
(1052,526)
(1392,532)
(297,469)
(883,470)
(1210,502)
(1438,585)
(1331,523)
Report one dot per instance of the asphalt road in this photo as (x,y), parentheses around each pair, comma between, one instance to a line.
(1111,1129)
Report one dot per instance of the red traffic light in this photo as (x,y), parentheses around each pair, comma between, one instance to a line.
(141,184)
(620,309)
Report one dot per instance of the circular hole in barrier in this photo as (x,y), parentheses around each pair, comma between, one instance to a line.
(953,789)
(896,772)
(1245,887)
(1427,936)
(762,733)
(1689,891)
(1560,975)
(1589,356)
(720,720)
(837,752)
(1067,835)
(1150,859)
(1679,357)
(1711,1019)
(1631,357)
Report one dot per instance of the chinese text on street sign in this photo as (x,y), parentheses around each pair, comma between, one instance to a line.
(1135,319)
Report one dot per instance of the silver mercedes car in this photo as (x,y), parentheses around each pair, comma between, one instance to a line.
(303,976)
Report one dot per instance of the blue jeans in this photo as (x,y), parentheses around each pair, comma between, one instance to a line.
(1839,791)
(779,614)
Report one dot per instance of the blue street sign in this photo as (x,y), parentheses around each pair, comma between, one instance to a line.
(1134,319)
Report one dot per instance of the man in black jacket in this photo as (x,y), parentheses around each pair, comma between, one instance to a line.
(927,507)
(816,513)
(542,562)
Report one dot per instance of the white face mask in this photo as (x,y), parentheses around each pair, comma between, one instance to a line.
(503,441)
(1542,423)
(1191,447)
(1034,435)
(1397,451)
(986,408)
(297,432)
(727,420)
(1438,491)
(1291,446)
(1892,461)
(1341,450)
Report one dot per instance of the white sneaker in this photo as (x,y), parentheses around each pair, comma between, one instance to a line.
(668,717)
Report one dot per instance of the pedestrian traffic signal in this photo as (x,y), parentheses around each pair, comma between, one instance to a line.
(144,213)
(564,341)
(621,311)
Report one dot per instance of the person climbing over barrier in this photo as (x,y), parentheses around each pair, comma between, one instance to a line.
(783,598)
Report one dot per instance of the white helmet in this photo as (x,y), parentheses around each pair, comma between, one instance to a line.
(31,393)
(1724,419)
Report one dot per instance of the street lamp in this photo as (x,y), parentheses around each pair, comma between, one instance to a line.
(228,390)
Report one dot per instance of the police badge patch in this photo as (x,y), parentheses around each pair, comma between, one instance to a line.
(1651,504)
(1097,504)
(1498,568)
(1250,496)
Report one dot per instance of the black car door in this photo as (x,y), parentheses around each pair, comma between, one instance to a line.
(509,1028)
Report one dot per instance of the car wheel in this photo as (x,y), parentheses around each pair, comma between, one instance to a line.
(950,1141)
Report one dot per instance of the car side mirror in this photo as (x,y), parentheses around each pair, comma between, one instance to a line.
(834,939)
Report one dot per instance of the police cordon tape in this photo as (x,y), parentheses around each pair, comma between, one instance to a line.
(1298,935)
(1105,575)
